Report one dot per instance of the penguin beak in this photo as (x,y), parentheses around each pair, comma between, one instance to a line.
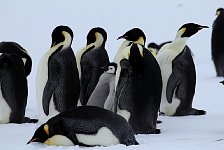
(122,37)
(201,27)
(32,140)
(222,82)
(53,44)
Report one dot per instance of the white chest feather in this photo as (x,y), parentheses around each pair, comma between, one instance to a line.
(59,140)
(5,110)
(42,77)
(104,137)
(165,57)
(124,113)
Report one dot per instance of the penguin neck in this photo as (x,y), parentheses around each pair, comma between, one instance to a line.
(125,44)
(98,43)
(178,44)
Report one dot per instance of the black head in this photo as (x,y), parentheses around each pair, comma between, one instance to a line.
(219,11)
(58,34)
(111,67)
(136,35)
(153,45)
(41,134)
(189,29)
(94,34)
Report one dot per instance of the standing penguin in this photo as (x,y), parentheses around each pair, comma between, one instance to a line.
(178,74)
(217,42)
(103,95)
(13,90)
(85,126)
(138,87)
(92,61)
(15,48)
(58,84)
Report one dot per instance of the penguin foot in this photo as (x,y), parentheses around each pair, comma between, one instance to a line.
(197,112)
(188,112)
(28,120)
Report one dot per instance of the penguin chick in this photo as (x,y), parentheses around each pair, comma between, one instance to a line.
(103,95)
(92,62)
(178,74)
(85,126)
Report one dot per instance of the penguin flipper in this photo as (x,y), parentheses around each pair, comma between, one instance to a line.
(85,82)
(53,81)
(174,79)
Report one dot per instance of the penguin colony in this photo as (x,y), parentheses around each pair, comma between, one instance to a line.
(84,99)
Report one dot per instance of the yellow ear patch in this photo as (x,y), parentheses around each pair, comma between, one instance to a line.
(140,41)
(183,30)
(46,129)
(217,13)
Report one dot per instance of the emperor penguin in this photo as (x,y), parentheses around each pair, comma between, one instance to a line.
(178,74)
(57,85)
(85,126)
(217,42)
(138,87)
(104,93)
(92,61)
(13,90)
(15,48)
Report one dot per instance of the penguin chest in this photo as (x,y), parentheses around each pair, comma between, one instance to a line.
(165,64)
(5,110)
(59,140)
(104,137)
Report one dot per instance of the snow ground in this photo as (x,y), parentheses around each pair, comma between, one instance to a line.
(30,23)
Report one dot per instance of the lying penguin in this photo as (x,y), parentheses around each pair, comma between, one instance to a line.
(85,126)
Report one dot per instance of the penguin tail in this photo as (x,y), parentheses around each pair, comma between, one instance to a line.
(197,112)
(158,122)
(28,120)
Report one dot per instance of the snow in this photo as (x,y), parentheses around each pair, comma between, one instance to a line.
(30,23)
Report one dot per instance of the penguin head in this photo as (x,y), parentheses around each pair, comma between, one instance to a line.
(135,35)
(98,36)
(219,11)
(110,68)
(189,29)
(62,34)
(153,48)
(41,134)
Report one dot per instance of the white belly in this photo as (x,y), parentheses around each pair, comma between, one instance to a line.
(104,137)
(124,113)
(5,110)
(166,70)
(41,79)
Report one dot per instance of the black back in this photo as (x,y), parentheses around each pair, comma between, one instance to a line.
(182,80)
(217,44)
(63,81)
(14,86)
(92,64)
(15,48)
(141,94)
(88,120)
